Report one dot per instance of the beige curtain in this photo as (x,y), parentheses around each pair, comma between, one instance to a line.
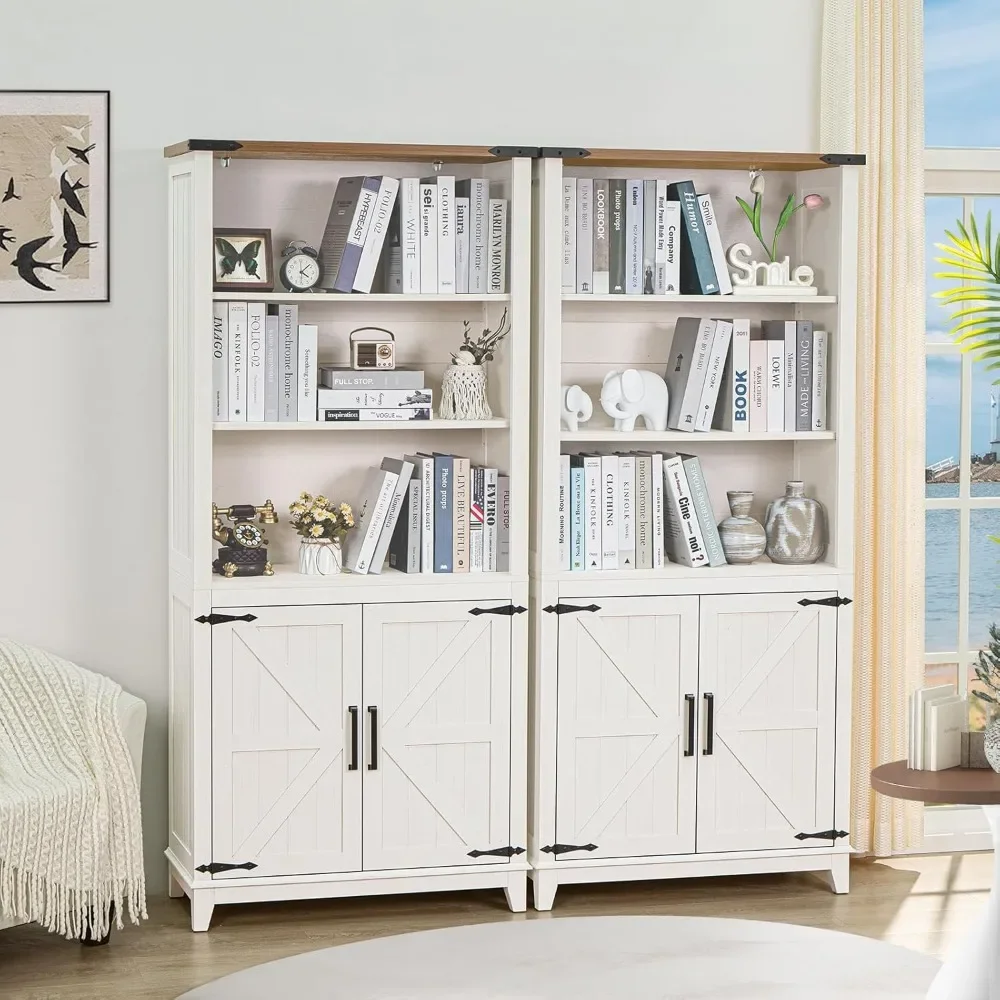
(872,102)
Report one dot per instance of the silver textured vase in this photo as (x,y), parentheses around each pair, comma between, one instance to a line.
(991,744)
(743,538)
(796,527)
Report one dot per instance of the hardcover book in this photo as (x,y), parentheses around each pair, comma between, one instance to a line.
(643,511)
(616,250)
(220,361)
(497,276)
(444,467)
(803,374)
(404,549)
(503,533)
(585,235)
(308,349)
(657,511)
(758,387)
(687,546)
(564,502)
(717,356)
(393,255)
(398,414)
(715,244)
(602,265)
(460,515)
(462,235)
(660,238)
(786,332)
(424,470)
(256,314)
(697,270)
(446,234)
(593,544)
(351,257)
(338,225)
(733,410)
(633,237)
(775,385)
(609,512)
(689,352)
(371,252)
(649,237)
(237,361)
(376,497)
(331,377)
(819,377)
(428,237)
(477,190)
(404,472)
(409,234)
(491,519)
(272,364)
(377,399)
(288,388)
(703,508)
(626,512)
(569,236)
(672,224)
(578,557)
(477,518)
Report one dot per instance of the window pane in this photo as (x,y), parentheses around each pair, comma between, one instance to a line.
(936,674)
(940,214)
(977,708)
(984,575)
(941,581)
(944,385)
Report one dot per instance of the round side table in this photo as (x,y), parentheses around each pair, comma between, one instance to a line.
(972,971)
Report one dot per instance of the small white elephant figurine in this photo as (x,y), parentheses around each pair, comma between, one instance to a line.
(577,407)
(633,393)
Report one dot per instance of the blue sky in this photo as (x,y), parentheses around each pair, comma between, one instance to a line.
(962,94)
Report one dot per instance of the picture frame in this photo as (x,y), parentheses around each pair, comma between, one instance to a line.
(237,266)
(55,196)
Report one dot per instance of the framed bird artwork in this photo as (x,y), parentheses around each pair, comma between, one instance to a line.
(54,195)
(242,260)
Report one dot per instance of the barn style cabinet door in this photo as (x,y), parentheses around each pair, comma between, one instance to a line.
(768,700)
(286,689)
(437,735)
(626,761)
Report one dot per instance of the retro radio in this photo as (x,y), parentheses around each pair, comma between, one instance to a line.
(372,347)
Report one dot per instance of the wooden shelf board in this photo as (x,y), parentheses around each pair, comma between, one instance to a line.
(331,298)
(287,576)
(705,299)
(689,159)
(335,427)
(692,438)
(250,149)
(672,571)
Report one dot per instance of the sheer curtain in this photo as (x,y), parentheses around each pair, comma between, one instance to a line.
(872,102)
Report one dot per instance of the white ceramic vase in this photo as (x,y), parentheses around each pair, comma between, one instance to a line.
(991,744)
(320,557)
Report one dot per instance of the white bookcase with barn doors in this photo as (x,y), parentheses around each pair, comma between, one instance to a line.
(692,721)
(347,735)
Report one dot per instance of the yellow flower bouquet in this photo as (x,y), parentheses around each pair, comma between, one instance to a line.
(317,517)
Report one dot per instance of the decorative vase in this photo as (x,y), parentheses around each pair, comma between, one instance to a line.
(991,744)
(742,536)
(796,527)
(463,394)
(320,557)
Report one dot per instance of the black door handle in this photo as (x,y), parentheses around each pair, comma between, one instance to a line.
(689,752)
(709,724)
(353,712)
(373,755)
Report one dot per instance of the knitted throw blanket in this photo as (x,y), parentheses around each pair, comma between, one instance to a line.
(70,829)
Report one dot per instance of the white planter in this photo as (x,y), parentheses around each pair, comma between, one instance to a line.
(463,394)
(320,557)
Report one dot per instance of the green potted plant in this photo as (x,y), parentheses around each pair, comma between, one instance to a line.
(988,695)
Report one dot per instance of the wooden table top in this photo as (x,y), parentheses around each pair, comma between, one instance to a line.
(956,786)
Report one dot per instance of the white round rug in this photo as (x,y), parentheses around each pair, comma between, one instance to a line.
(594,958)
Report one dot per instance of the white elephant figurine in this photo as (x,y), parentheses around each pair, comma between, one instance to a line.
(633,393)
(577,407)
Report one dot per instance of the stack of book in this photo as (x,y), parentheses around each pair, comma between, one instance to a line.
(631,511)
(722,376)
(353,394)
(938,717)
(432,514)
(640,237)
(431,235)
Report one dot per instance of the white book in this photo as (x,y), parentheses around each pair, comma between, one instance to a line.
(272,365)
(689,353)
(307,370)
(288,341)
(496,281)
(592,536)
(626,511)
(220,361)
(732,412)
(658,511)
(237,361)
(479,212)
(424,464)
(585,235)
(371,253)
(564,547)
(609,512)
(503,524)
(713,375)
(687,544)
(643,509)
(491,519)
(660,247)
(379,488)
(633,237)
(462,245)
(791,350)
(775,385)
(715,244)
(758,386)
(409,234)
(602,234)
(821,340)
(428,238)
(446,234)
(672,225)
(404,472)
(569,231)
(943,727)
(925,697)
(256,317)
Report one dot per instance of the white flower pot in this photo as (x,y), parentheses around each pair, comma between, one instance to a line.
(463,394)
(320,557)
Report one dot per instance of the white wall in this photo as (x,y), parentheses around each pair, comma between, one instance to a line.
(82,388)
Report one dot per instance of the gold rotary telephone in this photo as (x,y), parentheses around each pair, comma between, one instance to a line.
(243,551)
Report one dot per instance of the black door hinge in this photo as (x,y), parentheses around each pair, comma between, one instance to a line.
(844,159)
(827,602)
(565,609)
(214,619)
(506,609)
(557,849)
(214,145)
(823,835)
(498,852)
(563,152)
(530,151)
(216,867)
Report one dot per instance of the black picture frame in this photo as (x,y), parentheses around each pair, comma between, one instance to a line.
(220,283)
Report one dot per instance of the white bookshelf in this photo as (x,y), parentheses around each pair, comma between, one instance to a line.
(261,733)
(620,658)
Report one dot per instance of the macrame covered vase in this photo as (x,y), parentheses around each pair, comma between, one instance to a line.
(463,394)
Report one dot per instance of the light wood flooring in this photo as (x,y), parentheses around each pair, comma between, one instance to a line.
(923,903)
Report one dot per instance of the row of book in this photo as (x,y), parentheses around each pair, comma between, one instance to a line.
(640,237)
(725,376)
(938,717)
(415,236)
(265,370)
(432,514)
(633,511)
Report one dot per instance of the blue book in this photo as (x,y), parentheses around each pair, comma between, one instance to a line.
(444,468)
(576,517)
(698,275)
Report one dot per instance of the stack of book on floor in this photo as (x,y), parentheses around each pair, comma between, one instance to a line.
(723,376)
(938,717)
(633,511)
(432,514)
(354,394)
(431,235)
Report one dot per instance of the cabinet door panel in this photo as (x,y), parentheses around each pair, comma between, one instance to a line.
(439,679)
(771,665)
(623,781)
(283,797)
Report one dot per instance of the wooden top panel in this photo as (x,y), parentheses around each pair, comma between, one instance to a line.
(253,150)
(956,786)
(684,159)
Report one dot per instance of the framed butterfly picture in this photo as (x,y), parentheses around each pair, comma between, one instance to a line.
(242,260)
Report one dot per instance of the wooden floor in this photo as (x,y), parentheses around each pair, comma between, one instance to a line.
(923,903)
